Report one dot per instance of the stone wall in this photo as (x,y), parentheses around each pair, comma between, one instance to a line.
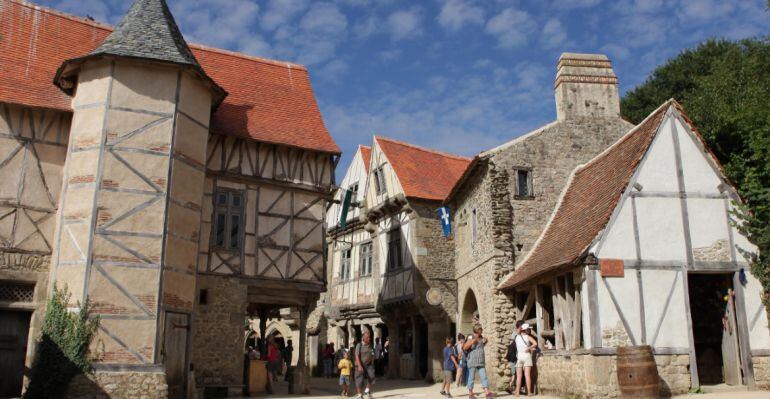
(762,371)
(218,332)
(590,376)
(118,385)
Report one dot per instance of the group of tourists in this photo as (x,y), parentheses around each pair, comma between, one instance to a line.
(466,358)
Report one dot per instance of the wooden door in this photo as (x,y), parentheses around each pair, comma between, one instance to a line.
(730,355)
(175,353)
(14,329)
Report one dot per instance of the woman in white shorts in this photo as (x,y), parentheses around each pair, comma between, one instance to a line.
(525,344)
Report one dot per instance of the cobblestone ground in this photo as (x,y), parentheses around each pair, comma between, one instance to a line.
(393,389)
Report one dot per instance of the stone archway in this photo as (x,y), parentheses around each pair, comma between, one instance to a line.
(469,313)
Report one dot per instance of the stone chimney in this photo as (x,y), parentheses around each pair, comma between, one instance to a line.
(586,87)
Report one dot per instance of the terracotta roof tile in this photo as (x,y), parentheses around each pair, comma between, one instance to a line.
(587,203)
(423,173)
(366,156)
(268,100)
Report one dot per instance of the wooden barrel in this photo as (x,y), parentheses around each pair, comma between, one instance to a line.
(637,372)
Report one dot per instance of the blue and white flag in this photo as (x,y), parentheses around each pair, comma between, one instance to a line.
(446,222)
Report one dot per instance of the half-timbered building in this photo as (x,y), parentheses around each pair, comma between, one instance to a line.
(354,281)
(416,297)
(177,188)
(644,248)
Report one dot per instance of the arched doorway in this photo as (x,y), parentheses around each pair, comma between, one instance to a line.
(469,313)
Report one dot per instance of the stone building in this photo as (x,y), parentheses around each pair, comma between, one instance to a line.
(502,202)
(179,189)
(643,248)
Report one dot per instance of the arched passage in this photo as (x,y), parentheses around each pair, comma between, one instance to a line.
(469,313)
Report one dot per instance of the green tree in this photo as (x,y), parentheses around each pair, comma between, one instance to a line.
(62,352)
(725,88)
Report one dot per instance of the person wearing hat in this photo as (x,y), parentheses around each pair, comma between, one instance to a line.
(525,344)
(510,355)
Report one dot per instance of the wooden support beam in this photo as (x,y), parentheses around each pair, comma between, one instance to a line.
(540,312)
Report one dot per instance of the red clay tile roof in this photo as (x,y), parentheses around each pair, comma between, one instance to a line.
(423,173)
(587,203)
(366,156)
(268,100)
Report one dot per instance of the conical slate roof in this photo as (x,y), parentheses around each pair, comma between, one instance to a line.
(147,31)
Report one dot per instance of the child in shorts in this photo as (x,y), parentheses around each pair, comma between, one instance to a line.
(346,367)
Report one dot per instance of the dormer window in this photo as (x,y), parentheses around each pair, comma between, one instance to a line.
(523,178)
(379,181)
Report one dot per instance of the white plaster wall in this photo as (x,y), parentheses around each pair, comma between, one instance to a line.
(392,185)
(657,285)
(659,170)
(661,236)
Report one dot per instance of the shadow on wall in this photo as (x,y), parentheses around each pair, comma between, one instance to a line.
(54,375)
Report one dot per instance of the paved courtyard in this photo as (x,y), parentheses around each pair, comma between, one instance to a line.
(391,389)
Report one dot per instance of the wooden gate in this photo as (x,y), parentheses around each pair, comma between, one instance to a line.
(176,335)
(14,328)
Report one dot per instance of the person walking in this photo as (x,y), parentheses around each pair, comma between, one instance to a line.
(525,345)
(364,354)
(450,364)
(346,369)
(510,355)
(460,352)
(328,360)
(288,352)
(272,363)
(378,354)
(474,346)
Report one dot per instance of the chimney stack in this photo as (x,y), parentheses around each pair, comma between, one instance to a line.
(586,87)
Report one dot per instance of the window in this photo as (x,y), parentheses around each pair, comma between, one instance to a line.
(228,219)
(354,193)
(366,259)
(474,226)
(379,181)
(345,265)
(394,249)
(523,183)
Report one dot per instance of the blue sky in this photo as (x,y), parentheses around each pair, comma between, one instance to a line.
(456,75)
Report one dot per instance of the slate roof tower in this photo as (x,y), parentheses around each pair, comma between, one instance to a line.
(148,31)
(130,215)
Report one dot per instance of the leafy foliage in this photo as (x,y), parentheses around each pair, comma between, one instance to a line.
(725,88)
(62,352)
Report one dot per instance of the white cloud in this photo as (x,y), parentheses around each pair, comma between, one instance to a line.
(405,24)
(511,27)
(316,38)
(390,55)
(366,27)
(572,4)
(699,11)
(455,14)
(279,12)
(334,71)
(554,33)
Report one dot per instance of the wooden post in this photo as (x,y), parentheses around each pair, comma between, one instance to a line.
(540,314)
(744,347)
(558,314)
